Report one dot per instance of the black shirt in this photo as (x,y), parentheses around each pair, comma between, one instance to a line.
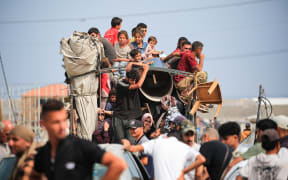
(74,159)
(127,104)
(149,132)
(214,152)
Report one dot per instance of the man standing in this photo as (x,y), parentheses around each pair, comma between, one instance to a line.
(270,165)
(169,156)
(5,128)
(230,134)
(282,122)
(109,50)
(22,145)
(188,134)
(256,148)
(128,104)
(68,157)
(136,128)
(112,33)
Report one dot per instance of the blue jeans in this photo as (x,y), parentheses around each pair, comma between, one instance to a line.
(120,74)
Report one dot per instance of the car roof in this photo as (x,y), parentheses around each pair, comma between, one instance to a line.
(117,149)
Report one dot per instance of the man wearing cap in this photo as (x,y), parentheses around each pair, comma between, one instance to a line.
(136,129)
(282,122)
(22,145)
(270,165)
(188,133)
(5,128)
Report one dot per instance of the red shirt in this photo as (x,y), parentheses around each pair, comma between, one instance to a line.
(105,85)
(112,35)
(187,63)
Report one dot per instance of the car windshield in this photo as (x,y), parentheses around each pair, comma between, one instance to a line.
(6,167)
(131,173)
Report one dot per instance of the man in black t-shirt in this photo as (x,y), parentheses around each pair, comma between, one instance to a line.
(128,104)
(217,154)
(69,157)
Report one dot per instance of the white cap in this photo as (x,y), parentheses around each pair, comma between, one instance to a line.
(282,121)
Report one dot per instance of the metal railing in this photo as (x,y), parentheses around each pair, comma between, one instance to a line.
(26,100)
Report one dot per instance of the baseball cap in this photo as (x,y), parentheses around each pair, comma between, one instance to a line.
(282,121)
(135,124)
(272,134)
(187,126)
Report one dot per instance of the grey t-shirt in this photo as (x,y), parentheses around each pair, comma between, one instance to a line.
(108,49)
(142,140)
(122,52)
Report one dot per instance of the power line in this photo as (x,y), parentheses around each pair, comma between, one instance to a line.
(254,54)
(83,19)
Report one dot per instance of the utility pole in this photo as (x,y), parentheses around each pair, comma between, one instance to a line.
(261,92)
(7,88)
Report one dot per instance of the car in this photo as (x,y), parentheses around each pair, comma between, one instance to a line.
(135,170)
(6,166)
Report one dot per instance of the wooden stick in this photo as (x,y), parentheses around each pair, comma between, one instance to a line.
(218,110)
(195,108)
(154,79)
(212,87)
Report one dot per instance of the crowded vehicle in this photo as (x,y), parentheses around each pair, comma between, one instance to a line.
(130,125)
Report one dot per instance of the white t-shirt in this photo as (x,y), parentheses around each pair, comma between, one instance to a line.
(268,167)
(191,175)
(169,156)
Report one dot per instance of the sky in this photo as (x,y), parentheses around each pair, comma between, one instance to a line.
(245,42)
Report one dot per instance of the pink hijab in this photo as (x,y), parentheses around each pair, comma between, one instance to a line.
(145,116)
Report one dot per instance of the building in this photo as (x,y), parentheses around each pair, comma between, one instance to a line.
(32,100)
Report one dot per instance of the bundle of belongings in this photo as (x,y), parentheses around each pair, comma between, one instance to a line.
(82,54)
(173,115)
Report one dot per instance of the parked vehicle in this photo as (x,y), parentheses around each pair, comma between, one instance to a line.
(6,167)
(135,170)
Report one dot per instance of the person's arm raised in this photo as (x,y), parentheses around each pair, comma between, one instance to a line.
(122,59)
(171,55)
(129,66)
(131,148)
(142,78)
(114,164)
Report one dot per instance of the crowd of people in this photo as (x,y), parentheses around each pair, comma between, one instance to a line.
(167,142)
(171,154)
